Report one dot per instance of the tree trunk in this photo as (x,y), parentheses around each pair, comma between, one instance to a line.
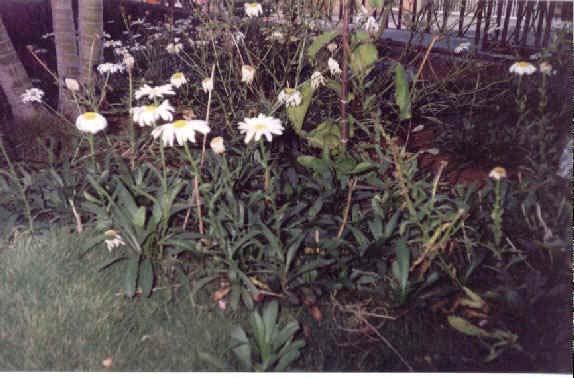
(91,26)
(14,79)
(66,51)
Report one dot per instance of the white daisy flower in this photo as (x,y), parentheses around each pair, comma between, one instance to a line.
(181,130)
(277,36)
(371,26)
(239,37)
(497,173)
(332,47)
(178,79)
(522,68)
(546,68)
(462,47)
(253,9)
(291,97)
(154,92)
(334,66)
(113,240)
(217,145)
(174,48)
(113,43)
(72,84)
(111,68)
(178,4)
(148,115)
(317,80)
(32,95)
(207,85)
(91,122)
(247,73)
(254,128)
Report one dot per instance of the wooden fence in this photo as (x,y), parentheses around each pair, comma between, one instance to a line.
(519,23)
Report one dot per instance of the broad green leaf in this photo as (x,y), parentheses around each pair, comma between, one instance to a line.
(240,346)
(146,277)
(464,326)
(321,41)
(403,264)
(326,136)
(139,217)
(287,359)
(131,276)
(402,92)
(270,312)
(296,114)
(363,57)
(376,3)
(360,36)
(313,163)
(285,334)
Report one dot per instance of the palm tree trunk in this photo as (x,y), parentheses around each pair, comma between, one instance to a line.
(66,51)
(14,79)
(91,26)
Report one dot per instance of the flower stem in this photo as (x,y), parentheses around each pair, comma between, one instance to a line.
(93,152)
(195,189)
(163,165)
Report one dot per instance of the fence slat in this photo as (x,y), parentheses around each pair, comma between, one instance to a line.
(506,21)
(542,12)
(548,28)
(479,12)
(527,19)
(400,15)
(500,4)
(519,17)
(487,24)
(461,17)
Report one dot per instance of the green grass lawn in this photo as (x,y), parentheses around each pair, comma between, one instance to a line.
(58,312)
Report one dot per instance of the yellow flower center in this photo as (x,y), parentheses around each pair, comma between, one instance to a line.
(111,234)
(260,127)
(523,64)
(289,91)
(150,108)
(177,76)
(180,124)
(252,5)
(90,116)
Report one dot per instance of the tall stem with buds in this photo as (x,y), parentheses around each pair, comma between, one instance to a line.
(344,77)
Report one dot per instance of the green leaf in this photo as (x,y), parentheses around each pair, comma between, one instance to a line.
(131,277)
(313,163)
(363,57)
(321,41)
(402,93)
(464,326)
(326,136)
(376,3)
(363,167)
(270,312)
(287,359)
(139,217)
(296,114)
(146,277)
(402,265)
(241,346)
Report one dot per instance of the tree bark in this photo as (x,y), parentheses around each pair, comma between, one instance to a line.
(14,79)
(90,24)
(66,51)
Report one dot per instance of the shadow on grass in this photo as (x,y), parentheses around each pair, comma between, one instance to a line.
(61,313)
